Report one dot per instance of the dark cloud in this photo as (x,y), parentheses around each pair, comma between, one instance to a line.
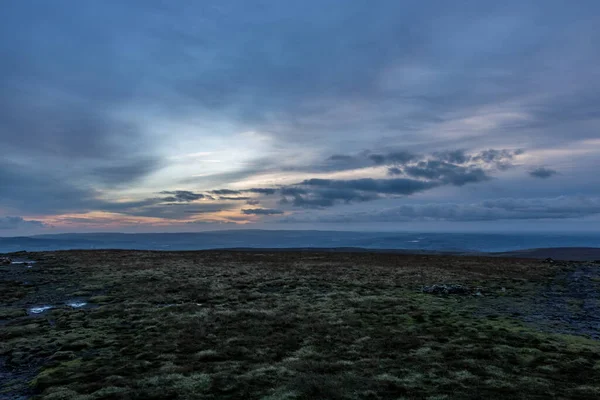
(420,173)
(253,202)
(234,198)
(502,159)
(542,172)
(292,191)
(267,191)
(395,160)
(261,211)
(171,210)
(401,186)
(446,173)
(365,158)
(341,162)
(392,158)
(326,197)
(453,156)
(318,193)
(182,196)
(13,223)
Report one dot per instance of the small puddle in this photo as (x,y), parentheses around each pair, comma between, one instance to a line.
(25,263)
(74,304)
(39,309)
(77,304)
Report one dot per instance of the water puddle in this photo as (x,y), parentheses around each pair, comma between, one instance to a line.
(25,263)
(39,309)
(77,304)
(74,304)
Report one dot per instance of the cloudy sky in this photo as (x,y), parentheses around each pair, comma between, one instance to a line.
(142,115)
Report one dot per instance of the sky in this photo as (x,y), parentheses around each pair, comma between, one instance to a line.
(165,116)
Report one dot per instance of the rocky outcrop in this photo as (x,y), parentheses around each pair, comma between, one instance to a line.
(5,261)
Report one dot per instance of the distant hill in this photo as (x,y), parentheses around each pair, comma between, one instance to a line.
(557,253)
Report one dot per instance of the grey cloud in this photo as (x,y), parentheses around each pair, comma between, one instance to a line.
(292,191)
(446,173)
(13,223)
(392,158)
(253,202)
(421,173)
(400,186)
(179,204)
(266,191)
(365,158)
(319,193)
(233,198)
(453,156)
(119,173)
(261,211)
(341,162)
(328,197)
(492,210)
(542,172)
(502,159)
(182,196)
(37,190)
(340,158)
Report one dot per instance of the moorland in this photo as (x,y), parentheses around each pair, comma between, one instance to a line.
(103,324)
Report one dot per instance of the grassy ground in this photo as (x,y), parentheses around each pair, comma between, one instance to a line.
(227,325)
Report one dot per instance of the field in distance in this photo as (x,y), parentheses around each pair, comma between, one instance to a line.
(87,325)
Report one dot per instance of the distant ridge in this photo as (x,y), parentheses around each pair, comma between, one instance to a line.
(556,253)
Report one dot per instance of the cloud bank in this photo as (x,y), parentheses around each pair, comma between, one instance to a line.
(201,109)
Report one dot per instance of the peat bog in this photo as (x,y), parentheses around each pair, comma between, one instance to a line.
(297,325)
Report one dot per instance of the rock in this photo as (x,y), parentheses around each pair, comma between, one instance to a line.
(548,261)
(5,261)
(449,289)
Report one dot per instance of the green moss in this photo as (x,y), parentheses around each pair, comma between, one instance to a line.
(110,392)
(63,373)
(175,385)
(21,330)
(9,312)
(100,299)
